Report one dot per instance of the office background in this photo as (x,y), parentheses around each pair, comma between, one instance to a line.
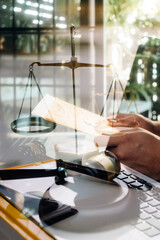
(107,32)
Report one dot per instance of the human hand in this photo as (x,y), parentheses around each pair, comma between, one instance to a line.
(137,148)
(133,120)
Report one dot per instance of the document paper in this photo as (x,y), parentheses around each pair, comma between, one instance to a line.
(66,114)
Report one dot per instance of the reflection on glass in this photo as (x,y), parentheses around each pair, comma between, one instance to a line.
(5,11)
(46,14)
(26,44)
(33,13)
(6,43)
(144,77)
(46,43)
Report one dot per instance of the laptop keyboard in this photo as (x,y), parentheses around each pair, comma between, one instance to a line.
(149,204)
(133,181)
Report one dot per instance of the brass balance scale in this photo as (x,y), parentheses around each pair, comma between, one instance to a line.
(33,124)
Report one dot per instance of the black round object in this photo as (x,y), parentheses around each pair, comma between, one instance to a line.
(32,125)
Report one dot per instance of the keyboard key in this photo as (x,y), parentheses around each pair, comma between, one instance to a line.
(136,185)
(141,181)
(143,204)
(134,177)
(151,193)
(152,232)
(127,173)
(157,189)
(154,222)
(143,226)
(157,197)
(154,203)
(150,209)
(121,176)
(144,216)
(144,197)
(128,180)
(158,207)
(156,215)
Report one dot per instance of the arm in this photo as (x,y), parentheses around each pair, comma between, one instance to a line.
(138,149)
(135,120)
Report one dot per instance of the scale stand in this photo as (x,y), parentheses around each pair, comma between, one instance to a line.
(37,124)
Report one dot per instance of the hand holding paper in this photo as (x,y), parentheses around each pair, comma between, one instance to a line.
(66,114)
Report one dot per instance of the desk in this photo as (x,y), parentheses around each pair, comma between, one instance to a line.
(15,225)
(94,218)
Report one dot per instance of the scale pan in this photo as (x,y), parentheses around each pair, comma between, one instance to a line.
(32,125)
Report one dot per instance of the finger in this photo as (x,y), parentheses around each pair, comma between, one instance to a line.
(123,122)
(125,132)
(122,115)
(119,115)
(114,139)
